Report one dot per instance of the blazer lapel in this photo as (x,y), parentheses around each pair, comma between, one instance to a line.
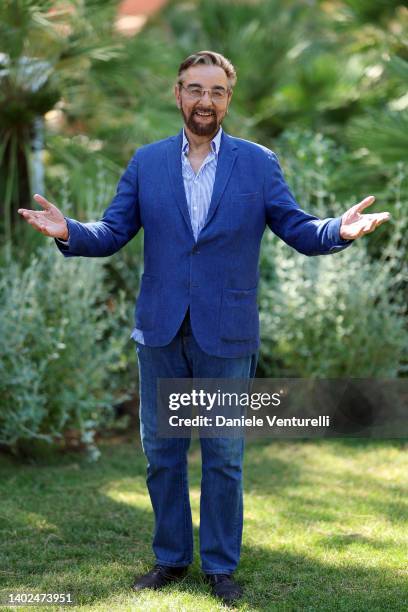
(176,177)
(226,159)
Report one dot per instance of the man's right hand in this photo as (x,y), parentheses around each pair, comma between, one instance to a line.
(49,221)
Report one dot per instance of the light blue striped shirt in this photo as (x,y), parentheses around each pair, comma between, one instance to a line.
(198,188)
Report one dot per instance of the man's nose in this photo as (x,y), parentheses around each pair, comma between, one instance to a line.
(206,93)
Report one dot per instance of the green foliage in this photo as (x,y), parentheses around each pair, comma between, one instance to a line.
(329,178)
(382,133)
(372,10)
(82,184)
(82,180)
(385,134)
(339,315)
(62,350)
(45,52)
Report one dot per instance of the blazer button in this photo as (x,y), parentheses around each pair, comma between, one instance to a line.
(195,250)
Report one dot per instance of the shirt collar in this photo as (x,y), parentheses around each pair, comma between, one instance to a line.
(215,142)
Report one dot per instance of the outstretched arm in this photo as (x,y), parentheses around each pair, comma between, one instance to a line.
(307,233)
(120,221)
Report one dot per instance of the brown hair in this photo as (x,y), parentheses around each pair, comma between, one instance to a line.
(210,58)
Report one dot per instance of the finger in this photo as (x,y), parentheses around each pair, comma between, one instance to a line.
(372,225)
(382,217)
(376,220)
(25,213)
(33,221)
(36,219)
(359,229)
(364,203)
(42,201)
(36,223)
(31,214)
(382,220)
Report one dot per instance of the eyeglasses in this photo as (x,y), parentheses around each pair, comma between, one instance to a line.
(196,93)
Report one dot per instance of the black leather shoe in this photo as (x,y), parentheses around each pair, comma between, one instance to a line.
(158,577)
(224,587)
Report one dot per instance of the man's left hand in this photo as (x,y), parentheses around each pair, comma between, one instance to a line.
(354,224)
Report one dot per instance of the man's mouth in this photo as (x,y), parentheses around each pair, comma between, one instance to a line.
(204,113)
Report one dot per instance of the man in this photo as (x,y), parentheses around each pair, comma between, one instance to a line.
(204,199)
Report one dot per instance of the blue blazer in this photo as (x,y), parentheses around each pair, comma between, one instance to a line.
(218,275)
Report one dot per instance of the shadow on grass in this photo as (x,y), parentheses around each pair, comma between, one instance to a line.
(289,479)
(71,526)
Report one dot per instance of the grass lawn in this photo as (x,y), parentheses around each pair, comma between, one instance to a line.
(326,528)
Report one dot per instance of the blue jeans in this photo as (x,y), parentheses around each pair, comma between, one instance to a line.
(221,502)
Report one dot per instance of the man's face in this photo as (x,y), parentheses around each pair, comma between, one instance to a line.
(204,115)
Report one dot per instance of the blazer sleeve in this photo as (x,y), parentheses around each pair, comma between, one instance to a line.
(304,232)
(119,224)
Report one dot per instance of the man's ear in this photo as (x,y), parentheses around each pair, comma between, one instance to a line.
(177,95)
(229,100)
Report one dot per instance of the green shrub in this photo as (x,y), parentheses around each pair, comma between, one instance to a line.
(342,315)
(82,186)
(62,349)
(330,316)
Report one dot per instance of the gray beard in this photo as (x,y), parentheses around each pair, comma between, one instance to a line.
(199,129)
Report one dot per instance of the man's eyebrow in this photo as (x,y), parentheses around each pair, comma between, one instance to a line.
(199,85)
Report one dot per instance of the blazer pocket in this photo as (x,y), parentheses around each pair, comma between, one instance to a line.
(147,302)
(239,320)
(246,197)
